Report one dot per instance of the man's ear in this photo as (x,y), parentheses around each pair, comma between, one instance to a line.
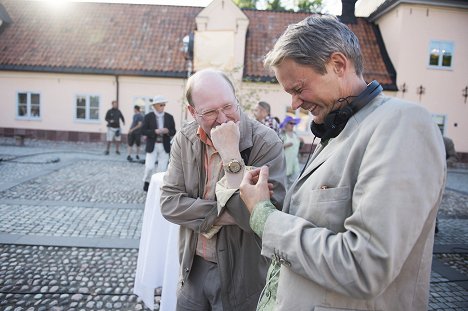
(192,111)
(338,63)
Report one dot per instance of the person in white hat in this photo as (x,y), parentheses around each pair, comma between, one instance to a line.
(159,128)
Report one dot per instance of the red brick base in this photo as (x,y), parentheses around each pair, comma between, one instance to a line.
(21,134)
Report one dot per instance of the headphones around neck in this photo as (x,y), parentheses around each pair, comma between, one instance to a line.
(336,120)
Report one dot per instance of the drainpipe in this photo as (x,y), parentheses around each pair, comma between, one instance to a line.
(117,89)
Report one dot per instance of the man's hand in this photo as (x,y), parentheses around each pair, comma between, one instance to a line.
(225,138)
(255,188)
(161,131)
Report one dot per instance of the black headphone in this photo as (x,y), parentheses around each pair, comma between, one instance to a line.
(336,120)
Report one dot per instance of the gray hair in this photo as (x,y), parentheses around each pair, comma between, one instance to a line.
(265,106)
(194,77)
(313,40)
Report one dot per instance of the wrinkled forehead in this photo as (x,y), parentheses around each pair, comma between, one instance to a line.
(212,90)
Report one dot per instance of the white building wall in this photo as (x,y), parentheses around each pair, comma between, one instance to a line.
(407,31)
(58,96)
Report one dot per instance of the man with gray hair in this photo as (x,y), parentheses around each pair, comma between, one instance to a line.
(220,261)
(262,113)
(357,227)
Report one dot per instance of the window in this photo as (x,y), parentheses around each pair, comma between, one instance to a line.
(87,108)
(440,120)
(440,54)
(144,102)
(28,105)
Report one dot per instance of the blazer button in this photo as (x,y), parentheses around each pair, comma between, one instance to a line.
(285,262)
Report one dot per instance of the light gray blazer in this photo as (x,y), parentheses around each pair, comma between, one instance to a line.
(358,226)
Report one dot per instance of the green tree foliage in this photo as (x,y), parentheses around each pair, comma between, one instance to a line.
(311,6)
(275,5)
(246,4)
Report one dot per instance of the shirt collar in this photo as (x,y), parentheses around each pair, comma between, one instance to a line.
(204,137)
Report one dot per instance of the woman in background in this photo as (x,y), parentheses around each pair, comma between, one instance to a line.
(291,143)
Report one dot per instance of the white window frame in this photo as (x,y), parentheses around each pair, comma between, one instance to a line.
(87,118)
(28,115)
(441,121)
(439,63)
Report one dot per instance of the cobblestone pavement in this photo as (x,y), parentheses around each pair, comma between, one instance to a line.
(71,223)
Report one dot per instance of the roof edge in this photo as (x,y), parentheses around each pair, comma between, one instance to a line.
(385,57)
(94,71)
(389,5)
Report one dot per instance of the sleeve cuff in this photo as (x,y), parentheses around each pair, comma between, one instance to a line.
(223,193)
(259,216)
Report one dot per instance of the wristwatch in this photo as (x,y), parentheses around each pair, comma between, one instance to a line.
(233,166)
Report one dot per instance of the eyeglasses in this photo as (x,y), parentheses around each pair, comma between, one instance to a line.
(213,114)
(291,123)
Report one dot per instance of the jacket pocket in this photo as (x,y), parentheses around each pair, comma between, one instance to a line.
(324,207)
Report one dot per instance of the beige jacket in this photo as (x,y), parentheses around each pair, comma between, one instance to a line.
(358,227)
(243,269)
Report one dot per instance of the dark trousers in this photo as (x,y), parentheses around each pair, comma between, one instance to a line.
(202,291)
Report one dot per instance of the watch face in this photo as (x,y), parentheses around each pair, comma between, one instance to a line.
(234,166)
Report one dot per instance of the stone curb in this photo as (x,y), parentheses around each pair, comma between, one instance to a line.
(6,238)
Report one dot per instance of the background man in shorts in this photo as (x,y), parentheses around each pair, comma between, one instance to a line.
(113,117)
(134,133)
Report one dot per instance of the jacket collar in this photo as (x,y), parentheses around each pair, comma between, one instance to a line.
(246,132)
(321,154)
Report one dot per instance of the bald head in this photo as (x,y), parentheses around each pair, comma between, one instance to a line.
(207,81)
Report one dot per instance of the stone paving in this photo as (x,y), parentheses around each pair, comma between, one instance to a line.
(67,278)
(71,222)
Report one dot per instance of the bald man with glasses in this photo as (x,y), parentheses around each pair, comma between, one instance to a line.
(221,264)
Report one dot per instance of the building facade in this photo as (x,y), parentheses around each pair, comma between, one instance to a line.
(59,71)
(427,45)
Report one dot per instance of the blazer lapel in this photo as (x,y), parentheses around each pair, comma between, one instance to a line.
(322,154)
(318,158)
